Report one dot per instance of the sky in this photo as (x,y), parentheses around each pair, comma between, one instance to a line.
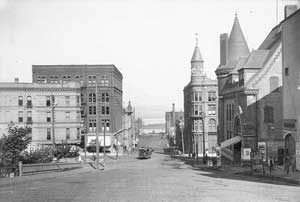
(150,41)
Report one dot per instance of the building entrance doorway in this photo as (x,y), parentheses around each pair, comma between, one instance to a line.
(237,148)
(289,147)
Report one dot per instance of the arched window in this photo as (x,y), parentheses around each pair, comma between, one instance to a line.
(268,114)
(29,102)
(212,125)
(274,83)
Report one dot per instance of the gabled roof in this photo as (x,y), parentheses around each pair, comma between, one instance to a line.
(256,59)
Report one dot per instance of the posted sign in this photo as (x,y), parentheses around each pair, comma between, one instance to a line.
(246,154)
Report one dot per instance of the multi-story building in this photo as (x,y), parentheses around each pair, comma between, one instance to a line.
(250,96)
(52,111)
(291,84)
(101,95)
(200,109)
(173,130)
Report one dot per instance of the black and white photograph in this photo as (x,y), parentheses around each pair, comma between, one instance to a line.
(149,101)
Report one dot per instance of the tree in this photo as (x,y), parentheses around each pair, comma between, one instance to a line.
(13,144)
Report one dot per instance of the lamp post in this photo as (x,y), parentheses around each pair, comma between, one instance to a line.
(181,125)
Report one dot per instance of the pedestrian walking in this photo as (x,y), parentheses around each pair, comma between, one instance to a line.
(271,164)
(287,164)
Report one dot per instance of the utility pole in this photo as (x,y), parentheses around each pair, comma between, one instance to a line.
(203,140)
(97,123)
(53,128)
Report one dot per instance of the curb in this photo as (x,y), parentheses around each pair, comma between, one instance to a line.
(273,178)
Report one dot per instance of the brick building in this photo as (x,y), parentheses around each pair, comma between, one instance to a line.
(108,98)
(250,96)
(31,104)
(291,82)
(200,109)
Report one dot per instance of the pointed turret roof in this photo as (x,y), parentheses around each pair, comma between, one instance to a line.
(197,57)
(237,45)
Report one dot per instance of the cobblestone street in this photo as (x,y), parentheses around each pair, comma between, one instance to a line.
(160,178)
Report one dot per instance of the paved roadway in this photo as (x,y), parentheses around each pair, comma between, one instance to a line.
(157,179)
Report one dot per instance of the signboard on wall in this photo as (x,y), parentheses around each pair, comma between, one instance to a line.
(262,148)
(246,154)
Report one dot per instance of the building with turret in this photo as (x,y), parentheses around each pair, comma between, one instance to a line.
(250,97)
(200,109)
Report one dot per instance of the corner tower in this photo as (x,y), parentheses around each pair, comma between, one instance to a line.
(196,65)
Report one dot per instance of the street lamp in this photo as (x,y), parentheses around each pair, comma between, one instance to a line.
(203,137)
(181,125)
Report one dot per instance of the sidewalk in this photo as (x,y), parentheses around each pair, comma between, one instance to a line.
(46,175)
(277,174)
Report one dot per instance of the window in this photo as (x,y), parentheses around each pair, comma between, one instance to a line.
(268,114)
(92,109)
(196,112)
(48,101)
(211,96)
(198,96)
(92,125)
(67,133)
(105,122)
(92,80)
(29,117)
(92,97)
(197,126)
(212,125)
(286,71)
(105,110)
(78,134)
(29,102)
(48,117)
(274,83)
(78,115)
(48,133)
(211,109)
(67,99)
(20,115)
(68,115)
(20,101)
(104,80)
(77,99)
(82,97)
(105,97)
(197,109)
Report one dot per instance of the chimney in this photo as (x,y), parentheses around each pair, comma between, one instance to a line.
(223,48)
(173,114)
(289,10)
(16,80)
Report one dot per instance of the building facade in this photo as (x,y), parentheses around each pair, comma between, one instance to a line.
(173,130)
(35,105)
(250,96)
(200,109)
(291,85)
(101,95)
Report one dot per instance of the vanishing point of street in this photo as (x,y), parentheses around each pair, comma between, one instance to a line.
(160,178)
